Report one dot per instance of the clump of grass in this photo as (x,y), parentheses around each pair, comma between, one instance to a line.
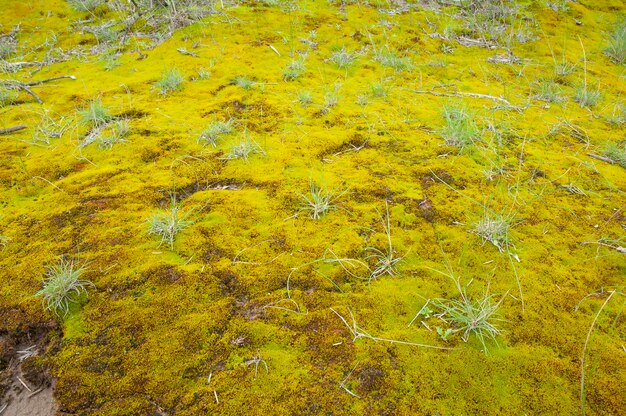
(548,91)
(110,61)
(331,99)
(470,316)
(85,5)
(95,114)
(587,98)
(203,74)
(460,129)
(379,89)
(116,132)
(319,201)
(214,130)
(7,47)
(305,97)
(62,286)
(616,153)
(494,228)
(362,100)
(172,80)
(616,49)
(49,128)
(294,70)
(243,82)
(618,115)
(385,261)
(342,58)
(8,96)
(393,59)
(246,148)
(168,224)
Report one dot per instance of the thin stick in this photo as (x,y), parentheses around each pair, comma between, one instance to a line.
(359,333)
(463,94)
(582,361)
(12,129)
(216,399)
(45,180)
(343,382)
(24,384)
(602,158)
(32,84)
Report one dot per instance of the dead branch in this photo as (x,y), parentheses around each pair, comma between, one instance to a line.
(25,86)
(602,158)
(463,94)
(32,84)
(187,53)
(12,129)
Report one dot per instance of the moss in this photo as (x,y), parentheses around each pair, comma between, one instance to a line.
(161,321)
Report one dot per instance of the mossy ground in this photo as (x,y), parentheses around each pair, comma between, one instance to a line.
(161,322)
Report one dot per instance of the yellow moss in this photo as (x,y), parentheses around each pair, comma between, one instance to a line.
(161,322)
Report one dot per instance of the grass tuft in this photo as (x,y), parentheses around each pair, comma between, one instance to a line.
(294,70)
(319,201)
(172,80)
(494,228)
(616,49)
(85,5)
(393,59)
(617,153)
(62,286)
(214,130)
(243,82)
(342,59)
(587,98)
(168,224)
(96,114)
(470,316)
(460,129)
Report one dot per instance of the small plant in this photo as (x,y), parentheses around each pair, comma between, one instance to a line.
(305,97)
(96,114)
(342,58)
(4,240)
(8,96)
(469,316)
(294,70)
(385,260)
(7,47)
(379,89)
(393,60)
(214,130)
(244,82)
(85,5)
(616,153)
(362,100)
(115,132)
(110,61)
(331,99)
(460,129)
(168,224)
(49,128)
(246,148)
(203,74)
(62,285)
(587,98)
(548,91)
(172,80)
(618,115)
(616,50)
(319,201)
(494,228)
